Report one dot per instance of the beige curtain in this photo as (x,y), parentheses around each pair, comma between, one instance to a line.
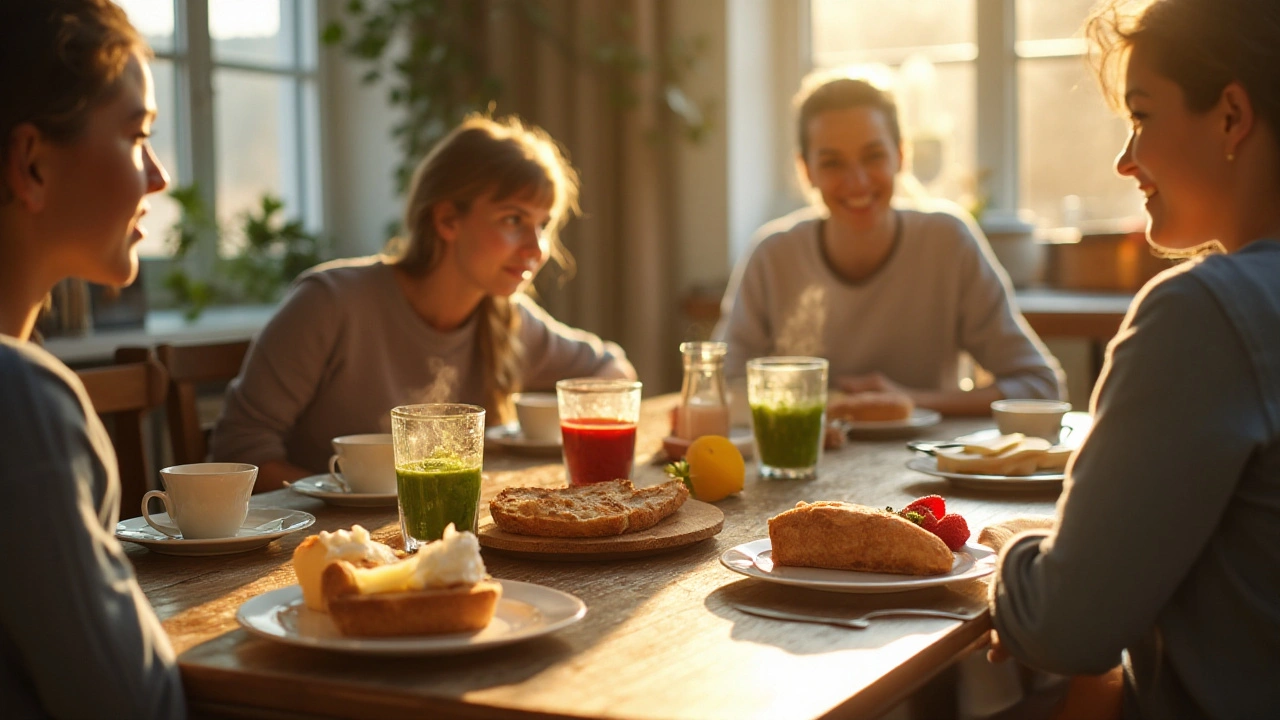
(623,288)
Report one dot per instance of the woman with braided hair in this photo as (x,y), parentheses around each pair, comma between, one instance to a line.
(440,317)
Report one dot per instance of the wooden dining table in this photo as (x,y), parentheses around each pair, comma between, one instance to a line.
(660,639)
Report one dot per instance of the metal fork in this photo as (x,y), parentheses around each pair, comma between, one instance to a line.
(858,623)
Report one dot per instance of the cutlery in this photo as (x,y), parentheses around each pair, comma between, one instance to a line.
(858,623)
(929,446)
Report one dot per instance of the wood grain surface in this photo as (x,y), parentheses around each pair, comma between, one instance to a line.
(660,639)
(694,521)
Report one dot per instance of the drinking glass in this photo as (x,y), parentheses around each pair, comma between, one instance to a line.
(788,399)
(439,450)
(598,427)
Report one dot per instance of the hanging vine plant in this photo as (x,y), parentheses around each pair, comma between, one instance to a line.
(430,54)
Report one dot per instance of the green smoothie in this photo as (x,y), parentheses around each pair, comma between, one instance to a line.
(786,436)
(434,493)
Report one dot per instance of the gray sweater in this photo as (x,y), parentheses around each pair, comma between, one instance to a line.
(346,347)
(938,294)
(1167,542)
(77,637)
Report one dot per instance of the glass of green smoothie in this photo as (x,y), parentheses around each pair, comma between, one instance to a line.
(788,398)
(439,449)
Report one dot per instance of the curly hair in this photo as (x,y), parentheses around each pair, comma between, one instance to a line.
(1201,45)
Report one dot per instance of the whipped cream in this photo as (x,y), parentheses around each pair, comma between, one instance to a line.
(353,546)
(452,560)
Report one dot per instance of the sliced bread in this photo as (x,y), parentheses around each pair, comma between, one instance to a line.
(600,510)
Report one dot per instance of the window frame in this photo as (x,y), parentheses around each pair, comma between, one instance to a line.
(194,66)
(996,54)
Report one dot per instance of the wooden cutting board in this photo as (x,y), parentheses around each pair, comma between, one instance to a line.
(694,521)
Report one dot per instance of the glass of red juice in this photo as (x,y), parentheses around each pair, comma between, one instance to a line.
(598,426)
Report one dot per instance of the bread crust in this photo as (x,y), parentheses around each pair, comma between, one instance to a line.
(600,510)
(462,608)
(844,536)
(872,407)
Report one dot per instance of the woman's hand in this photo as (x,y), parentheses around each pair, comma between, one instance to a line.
(997,653)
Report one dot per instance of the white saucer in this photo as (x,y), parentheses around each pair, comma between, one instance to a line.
(525,611)
(509,437)
(920,418)
(261,526)
(324,488)
(754,559)
(741,438)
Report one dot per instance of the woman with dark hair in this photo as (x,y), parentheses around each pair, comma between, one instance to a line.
(77,637)
(891,297)
(1165,553)
(442,317)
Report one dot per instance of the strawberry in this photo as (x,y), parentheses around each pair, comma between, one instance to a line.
(934,503)
(922,517)
(953,530)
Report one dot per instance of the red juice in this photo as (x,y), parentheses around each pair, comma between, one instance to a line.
(598,449)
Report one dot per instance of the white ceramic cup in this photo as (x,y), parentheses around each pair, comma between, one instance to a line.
(1033,418)
(204,500)
(364,463)
(539,416)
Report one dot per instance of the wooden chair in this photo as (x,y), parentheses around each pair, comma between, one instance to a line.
(188,366)
(124,394)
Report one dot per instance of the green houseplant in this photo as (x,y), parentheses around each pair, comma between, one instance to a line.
(252,265)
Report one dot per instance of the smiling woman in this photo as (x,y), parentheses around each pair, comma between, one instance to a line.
(75,169)
(891,297)
(442,317)
(1186,593)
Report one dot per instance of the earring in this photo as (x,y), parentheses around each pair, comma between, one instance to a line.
(1231,157)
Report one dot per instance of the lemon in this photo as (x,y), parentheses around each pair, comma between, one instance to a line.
(716,468)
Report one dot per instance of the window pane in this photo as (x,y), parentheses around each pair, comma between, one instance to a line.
(945,129)
(1069,140)
(164,141)
(1051,19)
(258,32)
(154,19)
(847,30)
(261,146)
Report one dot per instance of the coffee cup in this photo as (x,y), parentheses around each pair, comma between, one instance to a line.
(1033,418)
(204,500)
(539,416)
(364,463)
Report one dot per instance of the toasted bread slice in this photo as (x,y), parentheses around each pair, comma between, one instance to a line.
(600,510)
(844,536)
(461,608)
(871,407)
(994,446)
(1021,459)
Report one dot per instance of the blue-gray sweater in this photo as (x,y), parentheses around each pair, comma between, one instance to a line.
(1167,543)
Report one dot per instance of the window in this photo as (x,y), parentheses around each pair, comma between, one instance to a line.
(1059,163)
(237,92)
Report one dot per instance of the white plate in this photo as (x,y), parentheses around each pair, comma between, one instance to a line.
(920,418)
(753,560)
(525,611)
(1037,481)
(323,487)
(261,526)
(509,437)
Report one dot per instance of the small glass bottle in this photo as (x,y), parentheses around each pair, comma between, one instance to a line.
(704,407)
